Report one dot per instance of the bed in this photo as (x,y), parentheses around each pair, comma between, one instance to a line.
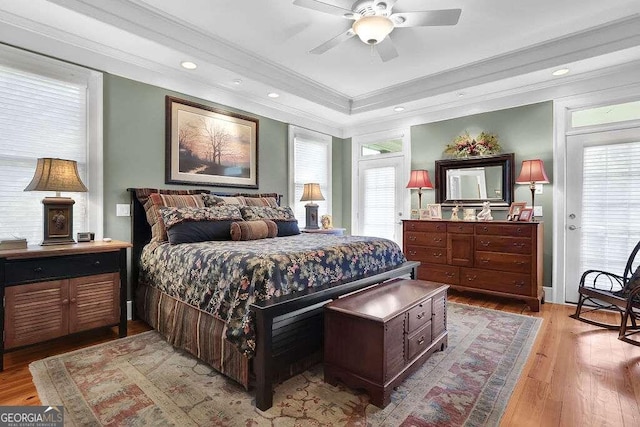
(250,309)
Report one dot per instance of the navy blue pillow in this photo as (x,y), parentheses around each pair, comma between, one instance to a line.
(287,228)
(199,231)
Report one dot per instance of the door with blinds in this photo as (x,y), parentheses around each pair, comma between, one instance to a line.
(380,198)
(603,203)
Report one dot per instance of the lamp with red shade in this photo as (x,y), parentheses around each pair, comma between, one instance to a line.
(420,179)
(532,173)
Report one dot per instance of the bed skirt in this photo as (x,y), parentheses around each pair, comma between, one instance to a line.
(192,330)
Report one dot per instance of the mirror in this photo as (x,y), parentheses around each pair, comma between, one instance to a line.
(474,180)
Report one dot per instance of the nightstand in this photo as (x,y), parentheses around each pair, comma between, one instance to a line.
(58,290)
(334,231)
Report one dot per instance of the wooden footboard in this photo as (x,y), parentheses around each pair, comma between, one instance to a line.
(272,350)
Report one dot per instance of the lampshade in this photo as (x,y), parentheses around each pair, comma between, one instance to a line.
(311,192)
(419,179)
(372,29)
(56,175)
(532,171)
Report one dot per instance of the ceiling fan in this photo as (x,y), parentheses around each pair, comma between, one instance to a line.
(374,20)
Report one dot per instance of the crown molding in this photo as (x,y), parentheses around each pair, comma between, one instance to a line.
(607,38)
(140,19)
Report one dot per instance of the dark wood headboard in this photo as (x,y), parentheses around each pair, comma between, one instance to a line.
(141,230)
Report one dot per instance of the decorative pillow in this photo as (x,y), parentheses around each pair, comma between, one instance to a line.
(282,215)
(142,194)
(157,201)
(251,213)
(253,230)
(190,225)
(211,200)
(261,201)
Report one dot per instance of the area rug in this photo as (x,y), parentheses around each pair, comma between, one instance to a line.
(141,380)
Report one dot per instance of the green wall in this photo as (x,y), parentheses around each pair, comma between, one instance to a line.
(526,131)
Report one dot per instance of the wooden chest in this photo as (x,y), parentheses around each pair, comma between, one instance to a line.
(377,337)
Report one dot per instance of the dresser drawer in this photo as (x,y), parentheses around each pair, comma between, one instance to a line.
(419,341)
(460,228)
(433,226)
(418,316)
(498,281)
(426,254)
(514,245)
(41,269)
(438,240)
(501,261)
(439,273)
(505,230)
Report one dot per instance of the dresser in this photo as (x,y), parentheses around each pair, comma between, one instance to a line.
(498,257)
(376,337)
(52,291)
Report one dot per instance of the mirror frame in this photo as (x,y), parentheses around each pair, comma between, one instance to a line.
(506,161)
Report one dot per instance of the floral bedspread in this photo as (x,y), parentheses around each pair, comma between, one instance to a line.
(224,277)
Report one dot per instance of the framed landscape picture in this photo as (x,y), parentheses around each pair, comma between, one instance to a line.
(209,146)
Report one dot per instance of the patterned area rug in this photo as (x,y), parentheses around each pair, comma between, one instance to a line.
(141,380)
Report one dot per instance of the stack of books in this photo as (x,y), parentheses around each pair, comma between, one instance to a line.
(12,243)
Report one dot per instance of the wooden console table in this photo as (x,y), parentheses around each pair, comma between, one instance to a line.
(376,337)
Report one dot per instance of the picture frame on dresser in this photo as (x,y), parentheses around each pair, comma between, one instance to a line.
(526,215)
(515,209)
(434,211)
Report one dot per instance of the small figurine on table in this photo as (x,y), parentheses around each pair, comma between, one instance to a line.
(485,213)
(454,213)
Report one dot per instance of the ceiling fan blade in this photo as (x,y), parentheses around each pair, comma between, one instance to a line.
(323,7)
(333,42)
(426,18)
(386,50)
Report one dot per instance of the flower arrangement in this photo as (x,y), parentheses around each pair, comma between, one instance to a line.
(464,146)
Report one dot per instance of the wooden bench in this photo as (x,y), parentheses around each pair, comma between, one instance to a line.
(376,337)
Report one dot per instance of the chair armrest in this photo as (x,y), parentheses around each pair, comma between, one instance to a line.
(591,278)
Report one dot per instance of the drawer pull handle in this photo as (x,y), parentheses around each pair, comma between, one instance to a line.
(412,238)
(73,300)
(518,262)
(97,263)
(412,253)
(437,254)
(471,278)
(421,341)
(485,228)
(485,244)
(65,301)
(421,315)
(412,226)
(518,230)
(484,261)
(518,284)
(437,239)
(518,245)
(37,270)
(450,274)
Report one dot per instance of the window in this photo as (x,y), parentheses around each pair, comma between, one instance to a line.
(47,109)
(607,114)
(309,161)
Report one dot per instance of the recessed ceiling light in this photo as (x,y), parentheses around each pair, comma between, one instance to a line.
(398,109)
(460,95)
(188,65)
(560,72)
(237,82)
(273,95)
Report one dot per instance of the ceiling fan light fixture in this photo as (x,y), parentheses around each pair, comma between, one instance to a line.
(372,29)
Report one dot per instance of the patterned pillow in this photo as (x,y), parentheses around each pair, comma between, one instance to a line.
(253,230)
(211,200)
(261,201)
(252,213)
(282,215)
(190,225)
(157,201)
(142,194)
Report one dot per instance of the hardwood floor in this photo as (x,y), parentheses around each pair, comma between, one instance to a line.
(577,374)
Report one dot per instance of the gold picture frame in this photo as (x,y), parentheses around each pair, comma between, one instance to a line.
(515,209)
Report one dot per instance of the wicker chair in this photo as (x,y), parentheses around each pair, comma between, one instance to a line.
(602,290)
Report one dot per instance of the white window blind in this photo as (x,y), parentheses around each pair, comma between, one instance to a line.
(379,210)
(311,164)
(610,206)
(39,117)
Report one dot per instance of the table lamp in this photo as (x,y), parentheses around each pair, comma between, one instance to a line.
(57,175)
(310,193)
(532,173)
(420,179)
